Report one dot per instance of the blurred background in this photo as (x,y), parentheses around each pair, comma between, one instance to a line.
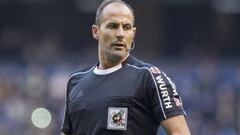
(196,42)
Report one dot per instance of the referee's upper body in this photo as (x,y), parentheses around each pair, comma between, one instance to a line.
(121,95)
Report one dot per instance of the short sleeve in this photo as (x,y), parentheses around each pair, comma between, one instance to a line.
(66,124)
(162,96)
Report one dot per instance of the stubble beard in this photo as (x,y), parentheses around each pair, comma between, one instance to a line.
(114,56)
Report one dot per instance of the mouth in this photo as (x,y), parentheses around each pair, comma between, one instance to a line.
(119,46)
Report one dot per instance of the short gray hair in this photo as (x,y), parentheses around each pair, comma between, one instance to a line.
(104,4)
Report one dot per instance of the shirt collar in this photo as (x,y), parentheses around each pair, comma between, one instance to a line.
(107,71)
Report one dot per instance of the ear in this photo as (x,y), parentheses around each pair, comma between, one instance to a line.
(95,31)
(134,31)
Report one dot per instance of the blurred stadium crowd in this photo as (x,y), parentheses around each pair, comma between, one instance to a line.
(195,42)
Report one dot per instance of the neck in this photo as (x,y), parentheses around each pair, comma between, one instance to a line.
(105,63)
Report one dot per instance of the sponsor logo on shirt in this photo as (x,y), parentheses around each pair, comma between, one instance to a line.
(164,92)
(80,94)
(172,84)
(117,118)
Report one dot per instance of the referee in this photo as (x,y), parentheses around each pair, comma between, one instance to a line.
(121,95)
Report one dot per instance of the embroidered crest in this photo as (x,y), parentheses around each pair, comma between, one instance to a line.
(117,118)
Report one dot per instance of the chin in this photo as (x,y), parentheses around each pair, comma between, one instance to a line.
(117,56)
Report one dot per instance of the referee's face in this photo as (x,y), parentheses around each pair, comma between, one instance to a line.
(116,32)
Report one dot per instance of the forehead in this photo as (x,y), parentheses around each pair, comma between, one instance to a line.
(117,12)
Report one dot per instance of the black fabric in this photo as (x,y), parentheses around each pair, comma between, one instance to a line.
(149,97)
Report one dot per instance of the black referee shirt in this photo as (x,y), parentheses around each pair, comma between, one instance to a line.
(128,99)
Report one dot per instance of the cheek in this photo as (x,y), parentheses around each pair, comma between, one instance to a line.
(129,38)
(106,37)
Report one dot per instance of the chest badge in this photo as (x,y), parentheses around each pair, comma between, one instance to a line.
(117,118)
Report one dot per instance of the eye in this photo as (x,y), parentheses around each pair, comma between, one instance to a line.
(127,27)
(112,26)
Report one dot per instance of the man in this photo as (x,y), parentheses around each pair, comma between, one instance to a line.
(121,95)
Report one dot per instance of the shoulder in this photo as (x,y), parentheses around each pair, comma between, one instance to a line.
(82,71)
(75,76)
(152,72)
(140,65)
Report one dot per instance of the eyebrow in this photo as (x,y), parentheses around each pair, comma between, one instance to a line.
(114,22)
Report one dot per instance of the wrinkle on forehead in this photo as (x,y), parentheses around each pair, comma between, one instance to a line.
(117,11)
(117,19)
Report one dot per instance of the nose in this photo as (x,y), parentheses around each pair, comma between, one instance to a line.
(120,33)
